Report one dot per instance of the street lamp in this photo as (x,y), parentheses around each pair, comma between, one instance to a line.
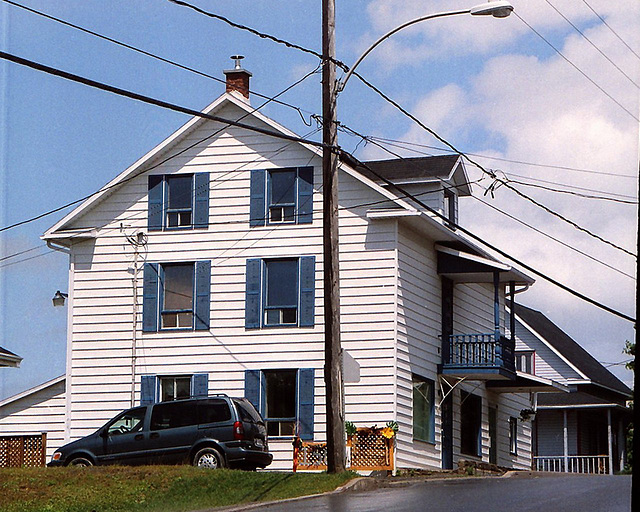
(330,89)
(497,9)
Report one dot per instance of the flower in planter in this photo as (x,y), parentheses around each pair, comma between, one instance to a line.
(388,432)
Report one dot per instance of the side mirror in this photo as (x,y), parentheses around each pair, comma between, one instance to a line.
(103,433)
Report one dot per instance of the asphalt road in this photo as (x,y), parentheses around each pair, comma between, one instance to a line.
(571,493)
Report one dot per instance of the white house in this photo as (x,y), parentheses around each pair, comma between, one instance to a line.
(36,411)
(582,431)
(199,270)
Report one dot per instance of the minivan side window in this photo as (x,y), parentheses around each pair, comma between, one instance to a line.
(129,421)
(247,412)
(213,410)
(173,415)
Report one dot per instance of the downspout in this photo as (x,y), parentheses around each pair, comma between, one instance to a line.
(59,248)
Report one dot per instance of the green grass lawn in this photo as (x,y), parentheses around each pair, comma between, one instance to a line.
(150,488)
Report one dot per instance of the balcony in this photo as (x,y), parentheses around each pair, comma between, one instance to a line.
(479,357)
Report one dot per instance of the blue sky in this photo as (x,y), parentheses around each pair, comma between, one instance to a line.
(490,86)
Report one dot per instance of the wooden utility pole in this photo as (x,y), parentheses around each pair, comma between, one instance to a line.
(332,350)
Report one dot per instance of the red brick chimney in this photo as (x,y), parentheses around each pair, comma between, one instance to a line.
(238,78)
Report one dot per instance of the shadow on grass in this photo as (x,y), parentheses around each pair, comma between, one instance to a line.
(279,480)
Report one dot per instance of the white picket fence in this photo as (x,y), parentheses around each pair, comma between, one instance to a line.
(593,464)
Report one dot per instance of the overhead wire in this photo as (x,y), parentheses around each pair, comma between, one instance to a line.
(566,59)
(611,29)
(584,36)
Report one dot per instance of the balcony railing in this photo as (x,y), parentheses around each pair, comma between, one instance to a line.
(593,464)
(479,351)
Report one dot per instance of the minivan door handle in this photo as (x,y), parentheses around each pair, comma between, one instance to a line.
(139,437)
(154,435)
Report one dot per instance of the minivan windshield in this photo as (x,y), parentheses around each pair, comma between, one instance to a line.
(247,411)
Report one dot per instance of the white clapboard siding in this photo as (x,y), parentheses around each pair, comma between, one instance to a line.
(39,411)
(102,289)
(548,364)
(550,433)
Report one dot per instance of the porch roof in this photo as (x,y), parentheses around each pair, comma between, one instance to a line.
(578,400)
(525,383)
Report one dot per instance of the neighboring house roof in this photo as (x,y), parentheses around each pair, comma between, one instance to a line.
(570,350)
(33,390)
(9,358)
(572,400)
(419,170)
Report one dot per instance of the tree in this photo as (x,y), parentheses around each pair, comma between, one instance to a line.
(630,349)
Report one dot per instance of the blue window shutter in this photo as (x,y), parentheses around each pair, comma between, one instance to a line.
(203,295)
(305,195)
(257,208)
(201,204)
(147,389)
(252,387)
(252,299)
(200,384)
(150,298)
(155,203)
(305,403)
(307,290)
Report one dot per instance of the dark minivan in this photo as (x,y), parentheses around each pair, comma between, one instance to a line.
(211,432)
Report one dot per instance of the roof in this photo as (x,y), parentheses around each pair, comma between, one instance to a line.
(418,170)
(570,349)
(572,400)
(8,358)
(33,390)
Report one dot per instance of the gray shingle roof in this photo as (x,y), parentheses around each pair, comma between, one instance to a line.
(5,352)
(571,350)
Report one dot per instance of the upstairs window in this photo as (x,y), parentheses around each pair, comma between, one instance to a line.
(176,287)
(525,361)
(178,201)
(280,292)
(281,196)
(450,206)
(176,296)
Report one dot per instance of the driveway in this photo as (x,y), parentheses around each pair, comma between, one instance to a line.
(522,493)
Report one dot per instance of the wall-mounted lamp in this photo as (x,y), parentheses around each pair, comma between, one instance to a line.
(59,298)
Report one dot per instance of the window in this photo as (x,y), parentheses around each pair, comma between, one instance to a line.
(213,410)
(174,415)
(130,421)
(470,424)
(179,201)
(280,292)
(423,409)
(174,388)
(525,361)
(176,286)
(450,206)
(176,296)
(156,388)
(281,196)
(513,435)
(285,398)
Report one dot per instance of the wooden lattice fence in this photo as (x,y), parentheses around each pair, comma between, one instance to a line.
(23,451)
(367,450)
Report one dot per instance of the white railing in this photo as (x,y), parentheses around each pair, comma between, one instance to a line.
(594,464)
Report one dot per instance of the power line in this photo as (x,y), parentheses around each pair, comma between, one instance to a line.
(148,54)
(570,192)
(515,218)
(592,44)
(152,101)
(611,29)
(27,259)
(576,67)
(506,173)
(18,253)
(488,173)
(522,162)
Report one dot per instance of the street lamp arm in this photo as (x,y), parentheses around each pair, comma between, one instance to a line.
(496,8)
(342,83)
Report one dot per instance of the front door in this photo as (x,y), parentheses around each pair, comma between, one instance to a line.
(493,435)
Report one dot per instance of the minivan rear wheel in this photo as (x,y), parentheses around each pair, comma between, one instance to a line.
(81,462)
(209,458)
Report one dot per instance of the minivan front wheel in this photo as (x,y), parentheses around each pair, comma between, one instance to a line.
(81,462)
(209,458)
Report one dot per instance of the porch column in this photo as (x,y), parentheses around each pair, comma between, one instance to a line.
(622,445)
(566,442)
(496,317)
(610,441)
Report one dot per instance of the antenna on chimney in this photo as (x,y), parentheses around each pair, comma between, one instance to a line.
(238,60)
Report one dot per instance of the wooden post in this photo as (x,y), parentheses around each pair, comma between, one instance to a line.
(610,441)
(566,442)
(333,353)
(44,449)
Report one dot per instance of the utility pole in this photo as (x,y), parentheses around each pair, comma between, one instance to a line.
(635,444)
(332,350)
